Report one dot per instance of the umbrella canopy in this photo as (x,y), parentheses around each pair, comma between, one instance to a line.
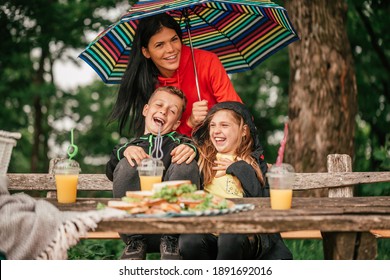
(241,33)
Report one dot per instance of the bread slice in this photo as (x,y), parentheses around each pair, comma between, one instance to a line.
(174,184)
(123,205)
(139,194)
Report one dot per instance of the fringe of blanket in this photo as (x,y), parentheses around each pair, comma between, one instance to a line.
(70,232)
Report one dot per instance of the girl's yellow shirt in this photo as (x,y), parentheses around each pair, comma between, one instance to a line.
(225,185)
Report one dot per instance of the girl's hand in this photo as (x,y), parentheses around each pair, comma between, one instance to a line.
(183,153)
(199,112)
(135,154)
(222,165)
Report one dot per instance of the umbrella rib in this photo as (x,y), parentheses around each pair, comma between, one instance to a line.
(198,13)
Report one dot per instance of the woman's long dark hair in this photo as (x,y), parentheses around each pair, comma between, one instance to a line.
(140,78)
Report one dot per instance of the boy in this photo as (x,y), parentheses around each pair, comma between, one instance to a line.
(162,114)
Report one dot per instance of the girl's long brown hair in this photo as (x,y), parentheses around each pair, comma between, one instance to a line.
(208,153)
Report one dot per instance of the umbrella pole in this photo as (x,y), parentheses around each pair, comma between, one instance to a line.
(193,61)
(192,53)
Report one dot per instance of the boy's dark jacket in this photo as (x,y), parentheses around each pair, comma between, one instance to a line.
(170,141)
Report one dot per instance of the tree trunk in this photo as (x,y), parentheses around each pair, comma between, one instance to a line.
(37,134)
(39,116)
(322,94)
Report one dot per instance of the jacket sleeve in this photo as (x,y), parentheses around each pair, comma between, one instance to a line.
(115,157)
(259,157)
(248,179)
(187,141)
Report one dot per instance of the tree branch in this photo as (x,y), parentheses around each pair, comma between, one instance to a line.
(373,37)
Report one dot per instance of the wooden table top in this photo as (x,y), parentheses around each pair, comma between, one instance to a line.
(356,214)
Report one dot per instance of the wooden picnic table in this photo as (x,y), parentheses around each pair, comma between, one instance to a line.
(344,222)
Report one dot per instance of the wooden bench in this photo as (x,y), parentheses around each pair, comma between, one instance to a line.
(339,180)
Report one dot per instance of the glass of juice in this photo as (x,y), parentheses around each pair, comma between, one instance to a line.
(66,174)
(150,171)
(281,179)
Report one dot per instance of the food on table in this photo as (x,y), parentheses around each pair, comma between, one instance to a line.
(175,183)
(174,196)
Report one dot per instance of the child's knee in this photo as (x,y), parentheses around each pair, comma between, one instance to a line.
(125,178)
(189,243)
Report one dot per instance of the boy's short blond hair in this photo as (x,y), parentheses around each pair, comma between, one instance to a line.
(173,90)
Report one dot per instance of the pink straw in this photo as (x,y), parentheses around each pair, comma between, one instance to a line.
(279,160)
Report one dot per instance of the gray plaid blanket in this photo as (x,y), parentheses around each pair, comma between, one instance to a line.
(35,229)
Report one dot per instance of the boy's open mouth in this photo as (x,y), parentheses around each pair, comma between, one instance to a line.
(158,121)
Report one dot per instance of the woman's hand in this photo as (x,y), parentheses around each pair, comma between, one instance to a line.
(199,112)
(221,166)
(135,154)
(183,153)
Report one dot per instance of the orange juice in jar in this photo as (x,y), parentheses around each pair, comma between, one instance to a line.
(66,187)
(66,174)
(150,171)
(281,198)
(281,179)
(148,181)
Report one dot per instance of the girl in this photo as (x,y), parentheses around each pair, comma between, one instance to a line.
(226,140)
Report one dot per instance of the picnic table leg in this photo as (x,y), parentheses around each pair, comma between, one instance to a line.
(349,246)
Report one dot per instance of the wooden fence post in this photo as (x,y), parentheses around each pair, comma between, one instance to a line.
(340,163)
(346,245)
(53,161)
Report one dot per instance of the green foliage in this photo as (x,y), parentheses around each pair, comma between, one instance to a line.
(307,249)
(36,35)
(367,21)
(383,249)
(88,112)
(265,91)
(96,250)
(382,154)
(89,249)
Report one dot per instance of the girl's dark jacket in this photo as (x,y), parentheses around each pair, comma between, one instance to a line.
(170,141)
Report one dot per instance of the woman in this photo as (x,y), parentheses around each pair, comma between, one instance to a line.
(158,58)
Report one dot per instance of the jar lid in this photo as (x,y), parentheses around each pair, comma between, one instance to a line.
(67,164)
(151,164)
(282,170)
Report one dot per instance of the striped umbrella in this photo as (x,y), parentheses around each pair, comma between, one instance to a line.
(242,33)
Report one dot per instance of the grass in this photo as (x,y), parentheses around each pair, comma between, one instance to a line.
(306,249)
(89,249)
(383,249)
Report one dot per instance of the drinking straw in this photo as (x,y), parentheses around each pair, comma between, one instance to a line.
(72,149)
(279,160)
(157,145)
